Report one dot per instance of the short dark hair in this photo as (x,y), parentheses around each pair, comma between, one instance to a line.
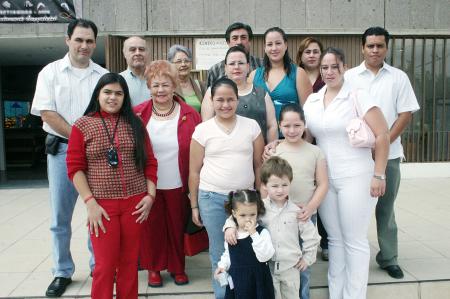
(246,197)
(237,48)
(236,26)
(275,166)
(223,81)
(375,31)
(81,23)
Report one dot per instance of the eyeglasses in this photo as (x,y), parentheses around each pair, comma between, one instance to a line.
(237,63)
(185,61)
(333,68)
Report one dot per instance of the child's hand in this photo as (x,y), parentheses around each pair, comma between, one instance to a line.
(231,235)
(218,271)
(269,149)
(301,265)
(250,227)
(305,213)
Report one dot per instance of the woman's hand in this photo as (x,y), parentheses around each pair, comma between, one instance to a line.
(231,235)
(196,217)
(143,208)
(377,187)
(95,213)
(305,212)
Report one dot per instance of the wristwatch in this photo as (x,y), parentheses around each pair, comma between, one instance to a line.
(379,177)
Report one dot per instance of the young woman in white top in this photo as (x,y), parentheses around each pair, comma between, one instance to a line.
(355,179)
(225,155)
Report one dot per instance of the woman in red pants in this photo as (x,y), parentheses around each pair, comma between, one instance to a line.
(170,123)
(111,163)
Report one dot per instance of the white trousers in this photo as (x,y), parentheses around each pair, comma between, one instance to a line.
(346,213)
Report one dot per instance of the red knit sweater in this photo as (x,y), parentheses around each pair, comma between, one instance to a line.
(88,145)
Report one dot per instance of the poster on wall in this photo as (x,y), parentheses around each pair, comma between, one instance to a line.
(16,113)
(209,51)
(39,11)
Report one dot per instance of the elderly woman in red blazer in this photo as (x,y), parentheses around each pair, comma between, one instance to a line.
(111,163)
(170,123)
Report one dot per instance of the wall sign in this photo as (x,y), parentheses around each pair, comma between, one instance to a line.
(39,11)
(209,51)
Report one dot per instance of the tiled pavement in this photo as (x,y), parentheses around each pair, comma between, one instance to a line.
(423,215)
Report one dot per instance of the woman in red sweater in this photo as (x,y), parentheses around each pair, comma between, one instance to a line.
(170,123)
(111,163)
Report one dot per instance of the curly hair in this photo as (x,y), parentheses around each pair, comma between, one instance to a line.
(161,68)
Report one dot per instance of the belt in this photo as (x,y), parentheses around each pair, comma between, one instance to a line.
(60,139)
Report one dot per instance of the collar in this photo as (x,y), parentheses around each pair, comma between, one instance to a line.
(342,94)
(106,114)
(362,67)
(274,206)
(65,64)
(132,74)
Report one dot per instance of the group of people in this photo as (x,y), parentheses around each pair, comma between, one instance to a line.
(257,154)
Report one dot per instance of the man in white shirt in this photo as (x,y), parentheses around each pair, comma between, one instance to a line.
(392,89)
(136,55)
(63,91)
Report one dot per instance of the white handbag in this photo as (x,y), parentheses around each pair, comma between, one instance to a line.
(359,132)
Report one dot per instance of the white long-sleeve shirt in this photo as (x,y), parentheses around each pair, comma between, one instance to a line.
(262,246)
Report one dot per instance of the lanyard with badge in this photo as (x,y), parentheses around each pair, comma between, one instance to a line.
(111,154)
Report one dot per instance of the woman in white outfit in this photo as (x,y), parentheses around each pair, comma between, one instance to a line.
(355,179)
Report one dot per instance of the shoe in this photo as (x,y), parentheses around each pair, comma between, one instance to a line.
(58,286)
(180,278)
(394,271)
(325,254)
(154,279)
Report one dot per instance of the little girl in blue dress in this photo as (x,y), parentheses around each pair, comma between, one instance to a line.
(246,262)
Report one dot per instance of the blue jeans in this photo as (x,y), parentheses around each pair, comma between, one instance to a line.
(212,212)
(305,276)
(63,197)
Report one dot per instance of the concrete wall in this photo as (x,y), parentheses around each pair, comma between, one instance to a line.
(185,17)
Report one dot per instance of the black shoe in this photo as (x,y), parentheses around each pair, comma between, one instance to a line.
(58,287)
(394,271)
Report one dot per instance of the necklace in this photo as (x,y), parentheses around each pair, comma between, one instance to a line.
(164,114)
(224,128)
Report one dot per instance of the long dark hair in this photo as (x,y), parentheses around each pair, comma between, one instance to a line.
(286,58)
(126,113)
